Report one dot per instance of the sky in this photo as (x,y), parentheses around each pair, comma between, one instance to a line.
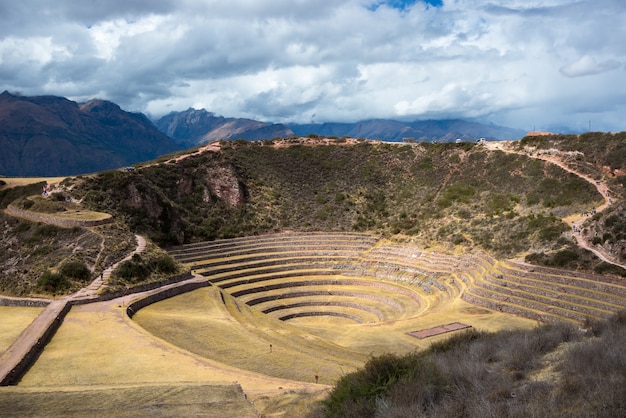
(527,64)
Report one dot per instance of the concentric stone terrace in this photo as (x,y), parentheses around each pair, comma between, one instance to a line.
(302,275)
(364,279)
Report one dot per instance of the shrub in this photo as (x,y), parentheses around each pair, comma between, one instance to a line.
(607,268)
(46,230)
(27,204)
(356,394)
(58,197)
(564,257)
(166,264)
(133,270)
(76,270)
(52,282)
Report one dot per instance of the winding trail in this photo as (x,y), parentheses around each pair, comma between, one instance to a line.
(504,146)
(92,289)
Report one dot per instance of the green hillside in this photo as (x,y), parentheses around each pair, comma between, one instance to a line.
(455,193)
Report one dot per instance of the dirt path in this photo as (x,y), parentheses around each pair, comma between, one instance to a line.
(92,289)
(576,221)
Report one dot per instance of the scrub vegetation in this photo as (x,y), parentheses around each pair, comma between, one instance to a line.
(555,370)
(451,193)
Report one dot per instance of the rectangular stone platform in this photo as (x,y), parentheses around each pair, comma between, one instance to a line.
(440,329)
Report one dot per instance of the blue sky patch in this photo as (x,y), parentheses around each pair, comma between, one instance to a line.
(404,4)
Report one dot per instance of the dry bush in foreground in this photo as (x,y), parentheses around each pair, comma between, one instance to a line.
(554,370)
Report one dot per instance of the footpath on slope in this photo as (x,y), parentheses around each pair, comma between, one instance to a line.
(92,289)
(602,189)
(18,357)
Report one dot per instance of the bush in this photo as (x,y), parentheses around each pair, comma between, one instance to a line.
(133,270)
(58,197)
(27,204)
(52,282)
(564,257)
(477,373)
(166,264)
(76,270)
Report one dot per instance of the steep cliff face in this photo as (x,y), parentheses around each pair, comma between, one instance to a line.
(608,229)
(223,183)
(168,201)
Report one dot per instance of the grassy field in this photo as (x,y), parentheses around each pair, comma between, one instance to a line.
(198,322)
(193,320)
(14,321)
(99,357)
(132,401)
(99,345)
(23,181)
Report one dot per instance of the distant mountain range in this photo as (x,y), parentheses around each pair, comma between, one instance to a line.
(54,136)
(193,127)
(448,130)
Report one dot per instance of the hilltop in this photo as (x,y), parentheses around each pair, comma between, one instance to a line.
(446,195)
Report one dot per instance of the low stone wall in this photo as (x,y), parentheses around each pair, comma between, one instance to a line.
(137,289)
(34,303)
(135,306)
(47,332)
(22,366)
(53,220)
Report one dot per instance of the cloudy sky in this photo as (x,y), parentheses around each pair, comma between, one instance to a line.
(528,64)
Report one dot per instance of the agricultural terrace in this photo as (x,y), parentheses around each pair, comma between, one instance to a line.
(313,306)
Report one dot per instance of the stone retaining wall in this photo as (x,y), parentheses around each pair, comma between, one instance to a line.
(35,303)
(137,289)
(16,373)
(135,306)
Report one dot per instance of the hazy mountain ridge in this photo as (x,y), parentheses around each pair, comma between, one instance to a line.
(397,131)
(192,127)
(54,136)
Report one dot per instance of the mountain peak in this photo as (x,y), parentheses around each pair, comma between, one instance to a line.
(54,136)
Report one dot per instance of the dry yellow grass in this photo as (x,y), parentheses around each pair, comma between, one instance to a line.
(99,345)
(14,321)
(199,322)
(79,215)
(193,320)
(127,401)
(23,181)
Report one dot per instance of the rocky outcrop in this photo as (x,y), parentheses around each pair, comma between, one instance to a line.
(224,184)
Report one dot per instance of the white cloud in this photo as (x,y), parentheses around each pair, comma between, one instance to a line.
(514,62)
(587,65)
